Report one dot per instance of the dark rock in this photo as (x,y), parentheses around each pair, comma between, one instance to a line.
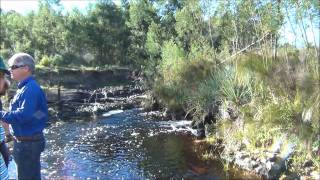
(197,125)
(127,106)
(110,94)
(258,143)
(232,113)
(272,157)
(208,118)
(308,163)
(201,133)
(255,164)
(275,171)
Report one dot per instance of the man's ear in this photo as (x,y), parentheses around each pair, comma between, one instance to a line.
(27,69)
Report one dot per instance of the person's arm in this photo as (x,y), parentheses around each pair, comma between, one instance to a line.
(9,136)
(26,110)
(4,86)
(6,127)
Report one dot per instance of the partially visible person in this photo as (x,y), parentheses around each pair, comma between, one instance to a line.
(27,115)
(4,157)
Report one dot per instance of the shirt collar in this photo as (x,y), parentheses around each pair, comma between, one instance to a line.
(25,81)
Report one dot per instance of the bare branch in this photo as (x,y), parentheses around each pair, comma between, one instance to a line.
(244,49)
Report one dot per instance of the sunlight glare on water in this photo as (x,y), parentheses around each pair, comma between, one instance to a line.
(123,145)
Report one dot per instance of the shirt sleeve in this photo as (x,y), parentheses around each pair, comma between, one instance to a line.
(26,110)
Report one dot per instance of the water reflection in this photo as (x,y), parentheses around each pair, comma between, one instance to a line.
(122,146)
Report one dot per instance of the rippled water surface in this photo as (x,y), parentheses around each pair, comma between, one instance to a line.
(124,146)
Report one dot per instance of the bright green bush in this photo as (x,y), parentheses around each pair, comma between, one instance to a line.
(173,58)
(50,61)
(45,61)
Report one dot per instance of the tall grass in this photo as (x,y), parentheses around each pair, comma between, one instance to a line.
(285,100)
(234,89)
(274,96)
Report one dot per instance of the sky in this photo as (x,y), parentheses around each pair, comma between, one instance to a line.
(294,34)
(287,33)
(25,6)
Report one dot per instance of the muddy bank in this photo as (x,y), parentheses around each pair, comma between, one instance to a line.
(83,79)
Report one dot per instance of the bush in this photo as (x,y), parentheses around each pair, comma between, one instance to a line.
(45,61)
(57,60)
(173,95)
(173,58)
(234,90)
(207,93)
(53,61)
(182,79)
(71,59)
(279,113)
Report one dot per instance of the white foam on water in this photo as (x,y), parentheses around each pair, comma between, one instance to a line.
(178,126)
(142,96)
(135,134)
(288,152)
(112,112)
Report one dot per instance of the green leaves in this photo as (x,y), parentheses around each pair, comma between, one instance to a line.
(100,34)
(104,28)
(141,15)
(154,40)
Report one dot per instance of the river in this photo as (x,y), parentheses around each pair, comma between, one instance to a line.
(126,145)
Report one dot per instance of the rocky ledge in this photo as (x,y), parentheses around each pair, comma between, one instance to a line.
(72,103)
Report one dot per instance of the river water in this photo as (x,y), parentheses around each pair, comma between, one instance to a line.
(126,145)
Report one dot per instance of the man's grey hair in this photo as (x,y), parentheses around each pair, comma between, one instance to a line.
(22,59)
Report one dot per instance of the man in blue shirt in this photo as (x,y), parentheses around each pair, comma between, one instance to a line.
(28,114)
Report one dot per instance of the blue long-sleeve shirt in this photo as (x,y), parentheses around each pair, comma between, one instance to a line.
(28,112)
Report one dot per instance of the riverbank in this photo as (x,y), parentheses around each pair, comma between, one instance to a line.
(85,78)
(263,106)
(270,158)
(223,127)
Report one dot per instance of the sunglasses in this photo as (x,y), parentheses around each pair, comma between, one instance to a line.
(13,67)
